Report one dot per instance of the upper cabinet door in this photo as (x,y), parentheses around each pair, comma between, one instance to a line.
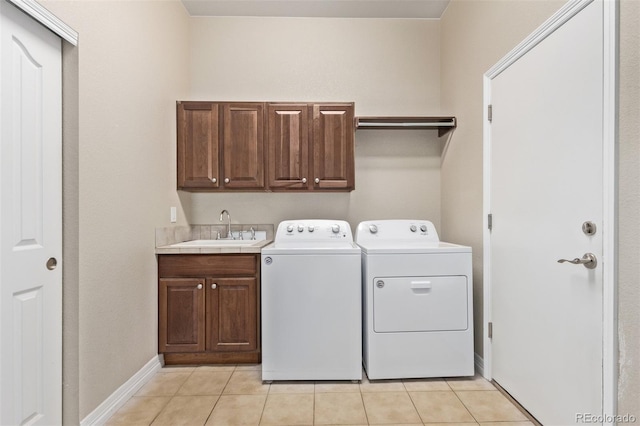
(243,145)
(333,146)
(198,145)
(288,146)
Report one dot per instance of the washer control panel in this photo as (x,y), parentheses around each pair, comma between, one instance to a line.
(397,230)
(314,230)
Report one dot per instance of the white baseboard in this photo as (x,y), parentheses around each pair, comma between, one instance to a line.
(109,406)
(479,362)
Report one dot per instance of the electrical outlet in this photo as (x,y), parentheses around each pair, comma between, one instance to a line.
(174,215)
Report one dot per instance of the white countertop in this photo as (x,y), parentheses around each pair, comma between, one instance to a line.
(213,249)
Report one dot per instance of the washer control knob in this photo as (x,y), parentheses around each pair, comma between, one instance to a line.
(373,229)
(289,228)
(335,228)
(300,228)
(423,228)
(311,228)
(413,228)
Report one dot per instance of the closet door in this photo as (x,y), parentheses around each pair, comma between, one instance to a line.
(30,221)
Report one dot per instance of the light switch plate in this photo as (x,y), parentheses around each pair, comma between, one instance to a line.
(173,215)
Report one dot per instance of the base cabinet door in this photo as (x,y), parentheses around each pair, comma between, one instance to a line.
(208,308)
(181,304)
(231,314)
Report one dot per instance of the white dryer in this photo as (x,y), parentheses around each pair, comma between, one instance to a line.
(311,303)
(417,302)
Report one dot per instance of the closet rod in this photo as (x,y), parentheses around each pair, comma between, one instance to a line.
(443,124)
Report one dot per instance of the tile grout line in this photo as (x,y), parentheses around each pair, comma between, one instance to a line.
(220,396)
(413,402)
(171,396)
(364,407)
(465,406)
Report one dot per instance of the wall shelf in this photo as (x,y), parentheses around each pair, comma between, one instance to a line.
(443,124)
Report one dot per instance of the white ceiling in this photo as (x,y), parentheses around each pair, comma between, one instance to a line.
(424,9)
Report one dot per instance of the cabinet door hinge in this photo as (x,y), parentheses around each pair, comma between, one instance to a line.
(490,113)
(490,330)
(490,221)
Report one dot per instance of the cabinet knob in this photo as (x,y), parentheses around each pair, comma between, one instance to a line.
(214,286)
(304,180)
(214,180)
(199,287)
(227,180)
(317,180)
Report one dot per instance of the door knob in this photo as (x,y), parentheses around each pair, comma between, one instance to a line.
(52,263)
(589,261)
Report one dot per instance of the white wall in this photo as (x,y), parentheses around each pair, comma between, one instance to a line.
(388,67)
(130,61)
(629,209)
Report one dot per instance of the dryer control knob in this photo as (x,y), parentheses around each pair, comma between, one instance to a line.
(413,228)
(335,229)
(373,229)
(423,228)
(311,228)
(300,228)
(290,228)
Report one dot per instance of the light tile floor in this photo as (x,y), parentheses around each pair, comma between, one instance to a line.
(235,395)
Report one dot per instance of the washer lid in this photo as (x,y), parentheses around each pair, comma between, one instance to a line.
(310,248)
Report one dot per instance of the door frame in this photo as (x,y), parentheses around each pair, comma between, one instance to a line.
(609,256)
(47,19)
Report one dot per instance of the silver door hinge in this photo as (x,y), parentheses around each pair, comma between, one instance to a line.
(490,221)
(490,330)
(490,113)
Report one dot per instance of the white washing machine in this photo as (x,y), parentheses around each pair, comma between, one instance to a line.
(417,302)
(311,303)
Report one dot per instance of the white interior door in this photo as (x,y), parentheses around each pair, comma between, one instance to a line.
(546,180)
(30,221)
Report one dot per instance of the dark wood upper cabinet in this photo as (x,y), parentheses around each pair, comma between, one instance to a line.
(333,146)
(231,146)
(198,145)
(243,145)
(288,146)
(311,147)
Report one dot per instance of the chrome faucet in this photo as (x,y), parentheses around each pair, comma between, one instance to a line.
(229,234)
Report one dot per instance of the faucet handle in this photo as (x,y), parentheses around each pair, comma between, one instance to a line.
(253,233)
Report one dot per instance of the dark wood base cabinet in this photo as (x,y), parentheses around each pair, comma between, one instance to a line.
(208,310)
